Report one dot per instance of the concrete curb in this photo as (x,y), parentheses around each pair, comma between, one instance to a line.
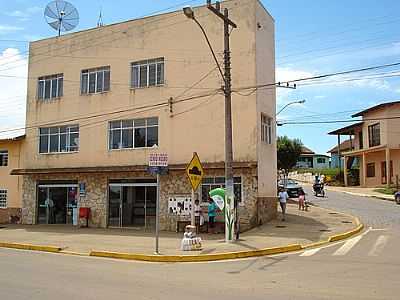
(195,258)
(30,247)
(198,258)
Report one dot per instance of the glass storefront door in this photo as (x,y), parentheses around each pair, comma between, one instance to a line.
(57,204)
(132,205)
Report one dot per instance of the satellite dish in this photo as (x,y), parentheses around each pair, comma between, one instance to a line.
(61,16)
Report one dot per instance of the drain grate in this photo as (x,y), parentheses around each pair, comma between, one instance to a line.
(280,226)
(347,222)
(333,213)
(325,230)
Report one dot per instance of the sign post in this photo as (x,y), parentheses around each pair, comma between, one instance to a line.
(195,173)
(158,164)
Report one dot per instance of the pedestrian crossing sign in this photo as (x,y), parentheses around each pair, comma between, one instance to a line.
(195,172)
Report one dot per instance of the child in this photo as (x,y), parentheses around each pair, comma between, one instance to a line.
(302,199)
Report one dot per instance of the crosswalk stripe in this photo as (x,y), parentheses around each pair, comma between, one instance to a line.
(347,246)
(310,252)
(379,245)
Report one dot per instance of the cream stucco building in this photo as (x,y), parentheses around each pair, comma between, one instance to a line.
(101,100)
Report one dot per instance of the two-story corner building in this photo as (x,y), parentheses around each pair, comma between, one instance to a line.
(376,143)
(101,100)
(10,186)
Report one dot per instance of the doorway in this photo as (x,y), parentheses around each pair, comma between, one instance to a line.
(132,204)
(57,204)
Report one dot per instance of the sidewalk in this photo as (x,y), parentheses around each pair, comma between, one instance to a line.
(299,228)
(359,191)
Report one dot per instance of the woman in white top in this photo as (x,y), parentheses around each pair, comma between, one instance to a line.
(283,197)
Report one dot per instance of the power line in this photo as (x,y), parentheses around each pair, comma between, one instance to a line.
(336,121)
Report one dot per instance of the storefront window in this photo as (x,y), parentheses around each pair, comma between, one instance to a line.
(210,183)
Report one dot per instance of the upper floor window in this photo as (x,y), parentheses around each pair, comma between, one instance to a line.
(130,134)
(3,198)
(147,73)
(50,87)
(59,139)
(95,80)
(3,158)
(374,135)
(266,129)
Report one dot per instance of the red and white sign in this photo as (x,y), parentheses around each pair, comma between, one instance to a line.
(158,160)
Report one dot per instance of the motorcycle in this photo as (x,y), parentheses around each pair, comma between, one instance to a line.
(318,189)
(397,197)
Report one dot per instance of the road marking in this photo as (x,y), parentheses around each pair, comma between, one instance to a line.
(379,245)
(310,252)
(347,246)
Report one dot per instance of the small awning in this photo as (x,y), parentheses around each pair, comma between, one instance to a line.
(348,130)
(124,169)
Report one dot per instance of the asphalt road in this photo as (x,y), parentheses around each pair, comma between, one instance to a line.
(365,267)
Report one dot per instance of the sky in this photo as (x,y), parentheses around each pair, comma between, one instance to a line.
(312,38)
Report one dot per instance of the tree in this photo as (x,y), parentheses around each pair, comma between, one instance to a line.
(289,152)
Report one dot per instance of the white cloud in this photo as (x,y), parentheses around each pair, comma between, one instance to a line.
(13,66)
(6,29)
(24,15)
(286,74)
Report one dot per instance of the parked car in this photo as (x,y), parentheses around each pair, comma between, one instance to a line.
(292,187)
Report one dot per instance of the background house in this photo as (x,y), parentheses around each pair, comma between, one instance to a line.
(345,146)
(310,160)
(376,141)
(10,186)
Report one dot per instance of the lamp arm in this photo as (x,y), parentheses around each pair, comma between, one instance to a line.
(211,48)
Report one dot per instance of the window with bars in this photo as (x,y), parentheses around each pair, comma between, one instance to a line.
(374,135)
(131,134)
(147,73)
(95,80)
(3,158)
(371,170)
(3,198)
(61,139)
(50,87)
(210,183)
(266,129)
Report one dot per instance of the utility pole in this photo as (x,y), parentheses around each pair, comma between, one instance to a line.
(229,232)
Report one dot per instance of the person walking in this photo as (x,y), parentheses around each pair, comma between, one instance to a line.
(212,213)
(283,197)
(302,199)
(198,215)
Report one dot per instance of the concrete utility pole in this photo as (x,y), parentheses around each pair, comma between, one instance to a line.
(228,112)
(226,75)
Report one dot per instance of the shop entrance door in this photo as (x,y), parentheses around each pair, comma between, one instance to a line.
(57,204)
(132,205)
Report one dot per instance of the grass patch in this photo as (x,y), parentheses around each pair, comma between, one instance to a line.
(386,191)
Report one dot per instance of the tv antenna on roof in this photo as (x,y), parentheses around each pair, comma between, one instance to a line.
(61,16)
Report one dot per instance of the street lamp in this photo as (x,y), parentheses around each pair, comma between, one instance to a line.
(291,103)
(231,211)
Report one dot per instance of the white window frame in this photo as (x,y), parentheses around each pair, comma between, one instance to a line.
(49,80)
(146,126)
(3,199)
(222,185)
(147,63)
(266,129)
(95,71)
(4,158)
(68,134)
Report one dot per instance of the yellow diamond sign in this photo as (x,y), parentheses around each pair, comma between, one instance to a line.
(195,171)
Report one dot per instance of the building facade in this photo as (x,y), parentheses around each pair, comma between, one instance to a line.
(310,160)
(376,145)
(10,186)
(101,101)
